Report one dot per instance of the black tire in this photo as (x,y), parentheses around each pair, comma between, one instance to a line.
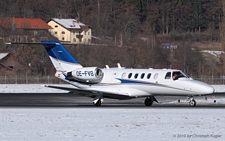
(148,102)
(192,103)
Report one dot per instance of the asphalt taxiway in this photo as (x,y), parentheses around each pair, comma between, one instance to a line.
(72,100)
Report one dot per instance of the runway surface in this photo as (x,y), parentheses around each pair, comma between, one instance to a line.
(71,100)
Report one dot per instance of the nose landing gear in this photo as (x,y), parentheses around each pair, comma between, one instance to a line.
(192,102)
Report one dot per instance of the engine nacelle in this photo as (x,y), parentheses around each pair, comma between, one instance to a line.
(87,74)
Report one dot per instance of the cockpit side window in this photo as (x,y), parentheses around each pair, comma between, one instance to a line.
(168,75)
(178,74)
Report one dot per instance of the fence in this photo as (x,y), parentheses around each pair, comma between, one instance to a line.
(212,80)
(53,80)
(30,80)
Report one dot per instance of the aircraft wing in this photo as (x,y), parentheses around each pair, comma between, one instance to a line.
(91,93)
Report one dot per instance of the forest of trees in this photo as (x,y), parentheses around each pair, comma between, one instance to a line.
(109,17)
(180,22)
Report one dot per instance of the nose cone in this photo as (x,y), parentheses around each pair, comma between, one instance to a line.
(207,90)
(204,88)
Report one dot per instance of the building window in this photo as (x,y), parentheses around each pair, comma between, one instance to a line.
(63,38)
(63,32)
(85,40)
(74,40)
(56,26)
(88,33)
(35,32)
(11,68)
(56,32)
(74,32)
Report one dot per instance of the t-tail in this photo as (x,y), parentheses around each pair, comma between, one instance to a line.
(62,60)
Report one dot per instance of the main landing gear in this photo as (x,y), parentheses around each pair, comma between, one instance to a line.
(149,100)
(192,102)
(98,100)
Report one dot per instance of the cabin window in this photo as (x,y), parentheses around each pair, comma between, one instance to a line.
(123,75)
(148,76)
(130,75)
(156,76)
(142,75)
(136,75)
(168,75)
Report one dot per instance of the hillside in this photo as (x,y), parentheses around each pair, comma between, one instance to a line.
(143,28)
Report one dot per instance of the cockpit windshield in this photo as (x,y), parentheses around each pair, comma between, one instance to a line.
(188,76)
(178,74)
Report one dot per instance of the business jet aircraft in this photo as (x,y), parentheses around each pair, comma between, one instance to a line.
(121,83)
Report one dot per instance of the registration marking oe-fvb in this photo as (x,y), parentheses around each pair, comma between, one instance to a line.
(84,73)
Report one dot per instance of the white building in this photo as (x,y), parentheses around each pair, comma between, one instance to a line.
(69,30)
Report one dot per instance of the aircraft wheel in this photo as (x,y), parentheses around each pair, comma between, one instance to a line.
(192,103)
(148,102)
(98,103)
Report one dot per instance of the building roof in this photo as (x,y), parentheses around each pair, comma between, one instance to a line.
(3,55)
(70,23)
(24,23)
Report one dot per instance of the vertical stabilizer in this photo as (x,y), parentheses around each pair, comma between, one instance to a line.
(60,56)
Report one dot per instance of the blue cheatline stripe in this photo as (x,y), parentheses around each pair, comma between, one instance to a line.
(133,81)
(56,50)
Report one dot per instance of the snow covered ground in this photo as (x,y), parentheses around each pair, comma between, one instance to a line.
(29,88)
(108,124)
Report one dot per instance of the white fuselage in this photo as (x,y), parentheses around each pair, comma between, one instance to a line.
(142,82)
